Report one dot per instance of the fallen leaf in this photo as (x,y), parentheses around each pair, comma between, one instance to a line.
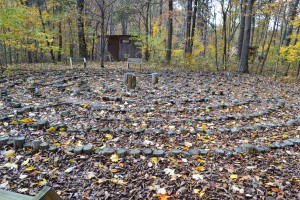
(26,120)
(108,136)
(118,181)
(154,160)
(162,196)
(42,183)
(70,169)
(233,176)
(25,162)
(9,153)
(30,168)
(197,177)
(114,158)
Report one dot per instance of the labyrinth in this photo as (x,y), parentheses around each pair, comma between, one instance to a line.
(193,135)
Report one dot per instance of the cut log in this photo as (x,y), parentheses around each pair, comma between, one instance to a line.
(126,77)
(19,142)
(36,145)
(3,141)
(88,149)
(44,146)
(154,78)
(131,84)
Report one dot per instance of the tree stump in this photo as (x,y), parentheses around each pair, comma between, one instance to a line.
(154,78)
(78,150)
(131,84)
(36,145)
(3,141)
(126,77)
(19,142)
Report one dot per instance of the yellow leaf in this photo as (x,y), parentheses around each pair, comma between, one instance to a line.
(207,110)
(51,129)
(279,166)
(118,181)
(114,170)
(256,119)
(200,192)
(204,127)
(42,183)
(162,196)
(14,122)
(30,168)
(199,168)
(154,160)
(114,158)
(25,162)
(72,161)
(233,176)
(46,159)
(108,136)
(26,120)
(9,153)
(284,135)
(100,166)
(56,159)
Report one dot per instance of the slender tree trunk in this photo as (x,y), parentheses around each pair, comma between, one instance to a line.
(147,53)
(194,24)
(170,32)
(242,27)
(80,25)
(102,39)
(216,41)
(269,45)
(60,41)
(94,38)
(243,67)
(187,48)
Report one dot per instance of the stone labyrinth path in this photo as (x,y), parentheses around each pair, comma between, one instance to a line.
(72,120)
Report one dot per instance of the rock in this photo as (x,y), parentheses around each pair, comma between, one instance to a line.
(182,131)
(238,150)
(107,151)
(248,148)
(220,152)
(147,152)
(28,146)
(15,104)
(228,152)
(53,149)
(175,151)
(293,122)
(158,131)
(36,145)
(134,152)
(287,143)
(235,130)
(60,126)
(203,152)
(42,124)
(121,152)
(65,113)
(44,146)
(4,118)
(194,152)
(275,145)
(87,149)
(295,141)
(78,150)
(185,154)
(262,149)
(158,153)
(171,132)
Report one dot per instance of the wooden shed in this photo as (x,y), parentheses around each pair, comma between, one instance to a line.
(121,47)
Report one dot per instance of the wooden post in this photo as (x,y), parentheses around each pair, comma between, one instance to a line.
(3,141)
(71,63)
(154,78)
(126,77)
(131,84)
(18,142)
(84,62)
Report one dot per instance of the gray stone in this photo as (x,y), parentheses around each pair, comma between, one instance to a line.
(107,151)
(295,141)
(171,132)
(53,149)
(42,124)
(134,152)
(70,149)
(262,149)
(4,118)
(275,145)
(28,146)
(175,151)
(60,126)
(158,131)
(258,126)
(210,132)
(185,154)
(228,152)
(238,150)
(293,122)
(203,152)
(78,150)
(287,143)
(158,153)
(235,130)
(15,104)
(182,130)
(220,152)
(88,149)
(194,151)
(65,113)
(248,148)
(121,152)
(147,151)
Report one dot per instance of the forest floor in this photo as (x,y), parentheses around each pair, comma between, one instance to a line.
(193,135)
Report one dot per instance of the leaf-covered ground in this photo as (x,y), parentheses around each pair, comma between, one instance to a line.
(193,135)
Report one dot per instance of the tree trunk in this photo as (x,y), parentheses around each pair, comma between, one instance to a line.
(94,38)
(80,25)
(187,48)
(242,27)
(147,53)
(102,39)
(60,41)
(194,24)
(243,67)
(170,32)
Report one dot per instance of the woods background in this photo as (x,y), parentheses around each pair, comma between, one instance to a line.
(257,36)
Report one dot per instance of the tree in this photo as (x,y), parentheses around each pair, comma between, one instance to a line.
(80,25)
(243,66)
(187,49)
(170,32)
